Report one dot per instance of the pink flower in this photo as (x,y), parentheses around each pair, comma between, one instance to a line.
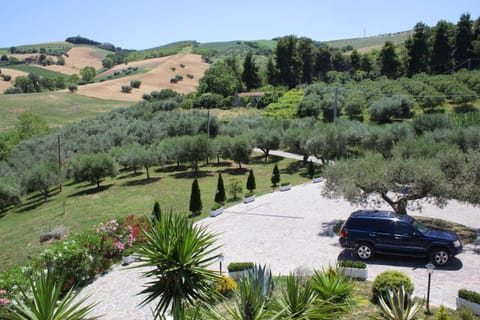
(4,292)
(4,301)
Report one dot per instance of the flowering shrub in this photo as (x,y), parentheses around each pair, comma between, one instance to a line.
(80,257)
(4,303)
(226,286)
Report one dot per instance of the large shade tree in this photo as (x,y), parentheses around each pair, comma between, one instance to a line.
(407,177)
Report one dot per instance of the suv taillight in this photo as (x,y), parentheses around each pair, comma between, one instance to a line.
(343,233)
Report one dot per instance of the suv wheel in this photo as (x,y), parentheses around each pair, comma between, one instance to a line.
(364,251)
(439,257)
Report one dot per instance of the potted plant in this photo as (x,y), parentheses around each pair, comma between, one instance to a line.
(284,186)
(354,269)
(249,197)
(469,299)
(317,179)
(216,209)
(237,269)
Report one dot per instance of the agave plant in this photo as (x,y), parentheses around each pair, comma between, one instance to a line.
(398,304)
(44,302)
(254,292)
(177,254)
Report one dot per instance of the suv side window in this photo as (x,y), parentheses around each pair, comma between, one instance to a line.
(358,224)
(382,226)
(403,228)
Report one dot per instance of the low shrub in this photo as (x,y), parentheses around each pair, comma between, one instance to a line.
(239,266)
(126,89)
(225,286)
(286,183)
(352,264)
(390,279)
(135,84)
(72,87)
(182,65)
(12,90)
(6,77)
(173,69)
(469,295)
(190,76)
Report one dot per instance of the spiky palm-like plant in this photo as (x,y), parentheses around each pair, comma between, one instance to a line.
(177,254)
(397,304)
(333,287)
(44,302)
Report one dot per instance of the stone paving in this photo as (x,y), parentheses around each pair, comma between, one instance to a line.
(292,229)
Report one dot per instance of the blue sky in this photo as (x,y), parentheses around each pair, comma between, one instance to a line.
(141,24)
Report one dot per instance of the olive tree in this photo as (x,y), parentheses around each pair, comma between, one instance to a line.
(398,180)
(93,168)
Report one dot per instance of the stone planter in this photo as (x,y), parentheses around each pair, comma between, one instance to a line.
(236,275)
(317,180)
(357,273)
(126,260)
(286,188)
(472,306)
(249,199)
(214,213)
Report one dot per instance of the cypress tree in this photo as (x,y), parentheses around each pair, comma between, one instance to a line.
(440,60)
(220,196)
(275,176)
(251,185)
(311,170)
(463,40)
(195,199)
(156,212)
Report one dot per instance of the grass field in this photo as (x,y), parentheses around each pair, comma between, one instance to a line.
(57,108)
(379,40)
(41,72)
(81,206)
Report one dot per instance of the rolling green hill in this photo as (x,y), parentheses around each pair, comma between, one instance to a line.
(372,41)
(57,108)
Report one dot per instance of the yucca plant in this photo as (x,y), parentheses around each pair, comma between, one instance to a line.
(397,304)
(333,287)
(45,302)
(261,277)
(177,254)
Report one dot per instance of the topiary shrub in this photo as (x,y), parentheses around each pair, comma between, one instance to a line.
(469,295)
(390,279)
(239,266)
(225,286)
(352,264)
(6,77)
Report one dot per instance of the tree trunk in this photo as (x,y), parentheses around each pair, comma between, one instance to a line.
(98,183)
(266,155)
(399,206)
(148,173)
(305,159)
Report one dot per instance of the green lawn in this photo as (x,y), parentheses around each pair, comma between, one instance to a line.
(57,108)
(81,206)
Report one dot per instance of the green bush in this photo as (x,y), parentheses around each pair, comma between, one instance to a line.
(126,89)
(286,183)
(216,206)
(430,122)
(135,84)
(6,77)
(469,295)
(352,264)
(239,266)
(72,87)
(390,279)
(13,90)
(190,76)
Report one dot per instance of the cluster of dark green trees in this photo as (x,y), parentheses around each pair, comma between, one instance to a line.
(432,50)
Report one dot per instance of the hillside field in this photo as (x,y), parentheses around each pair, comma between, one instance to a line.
(57,108)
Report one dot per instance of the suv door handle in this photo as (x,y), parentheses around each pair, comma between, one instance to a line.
(372,234)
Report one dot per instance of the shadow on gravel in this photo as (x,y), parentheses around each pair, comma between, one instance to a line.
(399,261)
(330,228)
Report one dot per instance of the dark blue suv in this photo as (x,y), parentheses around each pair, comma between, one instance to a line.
(373,231)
